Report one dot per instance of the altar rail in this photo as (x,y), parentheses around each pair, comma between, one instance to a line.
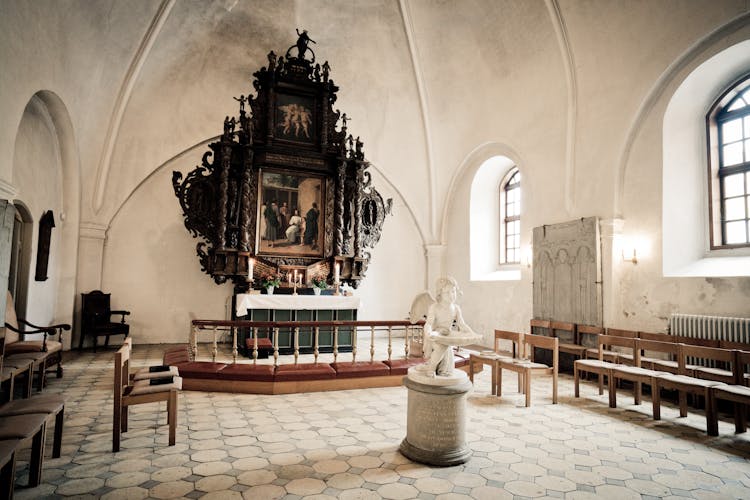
(412,333)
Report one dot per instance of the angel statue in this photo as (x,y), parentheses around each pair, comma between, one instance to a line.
(444,327)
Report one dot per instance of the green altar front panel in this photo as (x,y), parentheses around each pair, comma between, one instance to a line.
(346,332)
(325,336)
(286,339)
(306,335)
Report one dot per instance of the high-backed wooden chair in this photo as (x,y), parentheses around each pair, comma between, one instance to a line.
(664,360)
(527,368)
(8,466)
(588,337)
(566,332)
(96,318)
(44,353)
(616,354)
(152,390)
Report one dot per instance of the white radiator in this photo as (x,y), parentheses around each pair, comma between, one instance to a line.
(710,327)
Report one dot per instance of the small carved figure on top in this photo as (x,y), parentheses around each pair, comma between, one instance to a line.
(344,120)
(279,66)
(326,71)
(316,73)
(350,144)
(242,100)
(271,61)
(303,42)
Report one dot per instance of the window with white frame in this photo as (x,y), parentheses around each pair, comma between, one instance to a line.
(510,217)
(728,125)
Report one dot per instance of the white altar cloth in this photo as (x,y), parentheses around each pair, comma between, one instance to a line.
(294,302)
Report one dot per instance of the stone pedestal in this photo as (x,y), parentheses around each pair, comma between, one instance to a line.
(436,423)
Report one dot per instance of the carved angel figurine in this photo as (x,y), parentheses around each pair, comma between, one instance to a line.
(441,315)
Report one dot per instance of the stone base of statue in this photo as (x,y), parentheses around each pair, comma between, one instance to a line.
(436,419)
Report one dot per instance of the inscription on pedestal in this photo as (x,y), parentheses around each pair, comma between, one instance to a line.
(436,424)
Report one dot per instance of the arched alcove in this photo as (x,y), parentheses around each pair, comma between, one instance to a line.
(685,220)
(485,223)
(46,173)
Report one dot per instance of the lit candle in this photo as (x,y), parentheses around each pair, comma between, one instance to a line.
(250,268)
(289,278)
(336,272)
(295,276)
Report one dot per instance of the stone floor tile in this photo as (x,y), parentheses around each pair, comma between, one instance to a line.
(212,468)
(490,493)
(265,491)
(306,486)
(359,494)
(398,491)
(345,481)
(433,485)
(171,489)
(331,466)
(79,486)
(132,493)
(555,483)
(127,479)
(365,461)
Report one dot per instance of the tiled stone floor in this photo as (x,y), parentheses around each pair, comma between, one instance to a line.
(344,445)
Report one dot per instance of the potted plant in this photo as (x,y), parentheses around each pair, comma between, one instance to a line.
(319,283)
(269,282)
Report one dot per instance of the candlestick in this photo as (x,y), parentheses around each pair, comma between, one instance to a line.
(250,269)
(336,272)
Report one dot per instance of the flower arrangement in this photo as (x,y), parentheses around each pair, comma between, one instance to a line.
(270,280)
(319,282)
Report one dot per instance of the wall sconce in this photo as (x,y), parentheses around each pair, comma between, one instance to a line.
(629,254)
(528,256)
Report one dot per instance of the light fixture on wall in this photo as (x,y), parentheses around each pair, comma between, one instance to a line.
(528,256)
(629,251)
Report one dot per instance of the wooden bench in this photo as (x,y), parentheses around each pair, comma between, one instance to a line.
(685,383)
(485,358)
(737,393)
(604,368)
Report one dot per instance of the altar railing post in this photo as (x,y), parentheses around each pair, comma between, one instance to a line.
(215,349)
(255,345)
(372,344)
(296,344)
(390,342)
(234,344)
(354,344)
(276,346)
(316,350)
(335,343)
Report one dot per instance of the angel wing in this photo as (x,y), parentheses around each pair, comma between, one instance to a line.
(419,306)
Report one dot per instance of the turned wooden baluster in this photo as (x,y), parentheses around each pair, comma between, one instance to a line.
(296,344)
(372,344)
(215,349)
(390,343)
(255,345)
(276,346)
(354,344)
(335,343)
(315,344)
(234,345)
(406,343)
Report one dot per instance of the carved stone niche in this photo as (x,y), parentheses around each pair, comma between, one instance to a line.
(286,184)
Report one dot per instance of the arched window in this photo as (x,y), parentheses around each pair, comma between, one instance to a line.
(729,182)
(510,217)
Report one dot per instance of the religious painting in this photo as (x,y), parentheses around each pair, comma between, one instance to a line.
(295,118)
(291,215)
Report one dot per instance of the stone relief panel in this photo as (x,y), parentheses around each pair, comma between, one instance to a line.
(567,272)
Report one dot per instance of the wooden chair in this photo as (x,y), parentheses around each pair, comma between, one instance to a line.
(616,355)
(528,368)
(568,336)
(138,392)
(640,375)
(737,393)
(11,373)
(8,466)
(664,360)
(516,340)
(43,353)
(684,383)
(601,367)
(96,318)
(588,337)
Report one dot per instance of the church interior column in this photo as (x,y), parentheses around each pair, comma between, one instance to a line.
(435,263)
(611,231)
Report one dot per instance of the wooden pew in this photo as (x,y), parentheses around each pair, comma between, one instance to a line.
(527,368)
(602,367)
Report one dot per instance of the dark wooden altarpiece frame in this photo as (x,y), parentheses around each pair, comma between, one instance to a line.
(286,125)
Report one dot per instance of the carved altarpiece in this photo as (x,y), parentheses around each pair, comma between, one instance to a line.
(567,272)
(288,148)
